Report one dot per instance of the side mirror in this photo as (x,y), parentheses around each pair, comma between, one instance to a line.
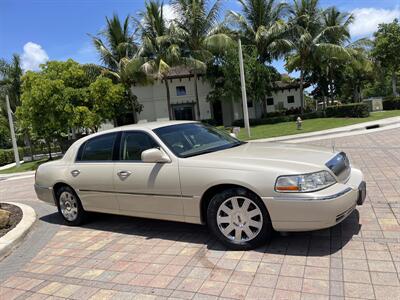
(155,155)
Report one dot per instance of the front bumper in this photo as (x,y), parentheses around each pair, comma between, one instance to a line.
(45,194)
(322,209)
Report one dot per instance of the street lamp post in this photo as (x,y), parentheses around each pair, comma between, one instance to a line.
(13,139)
(244,96)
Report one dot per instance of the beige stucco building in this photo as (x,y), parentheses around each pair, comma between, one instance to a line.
(153,97)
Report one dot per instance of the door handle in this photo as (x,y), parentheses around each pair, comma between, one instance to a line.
(124,174)
(75,173)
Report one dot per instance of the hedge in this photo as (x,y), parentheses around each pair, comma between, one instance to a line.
(391,103)
(356,110)
(7,156)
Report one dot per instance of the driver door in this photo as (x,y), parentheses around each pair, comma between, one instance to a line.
(149,190)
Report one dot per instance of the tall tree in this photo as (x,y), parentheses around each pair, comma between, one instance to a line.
(310,41)
(65,95)
(117,49)
(199,30)
(262,24)
(159,48)
(330,63)
(10,81)
(387,48)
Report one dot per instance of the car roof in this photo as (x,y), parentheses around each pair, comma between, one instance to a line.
(152,125)
(139,126)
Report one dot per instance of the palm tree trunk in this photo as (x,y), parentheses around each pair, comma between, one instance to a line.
(301,89)
(196,92)
(394,83)
(49,150)
(168,99)
(29,142)
(356,96)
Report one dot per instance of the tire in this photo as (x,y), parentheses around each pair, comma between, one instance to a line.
(69,206)
(235,226)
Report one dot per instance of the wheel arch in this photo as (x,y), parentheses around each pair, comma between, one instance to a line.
(57,186)
(213,190)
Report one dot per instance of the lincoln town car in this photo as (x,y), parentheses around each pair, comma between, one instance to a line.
(190,172)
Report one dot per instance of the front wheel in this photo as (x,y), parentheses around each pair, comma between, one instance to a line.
(69,206)
(239,219)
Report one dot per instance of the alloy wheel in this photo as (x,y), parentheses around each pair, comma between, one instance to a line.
(239,219)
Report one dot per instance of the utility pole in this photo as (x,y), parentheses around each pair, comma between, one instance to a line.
(13,139)
(244,96)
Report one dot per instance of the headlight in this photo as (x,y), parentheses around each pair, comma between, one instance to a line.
(304,183)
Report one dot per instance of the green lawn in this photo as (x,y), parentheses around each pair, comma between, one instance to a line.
(28,166)
(289,128)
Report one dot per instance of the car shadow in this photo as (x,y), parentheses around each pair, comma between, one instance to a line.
(311,243)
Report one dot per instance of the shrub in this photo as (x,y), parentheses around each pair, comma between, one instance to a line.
(7,156)
(391,103)
(354,110)
(211,122)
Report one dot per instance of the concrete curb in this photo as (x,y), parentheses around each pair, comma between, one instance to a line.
(361,128)
(17,175)
(16,235)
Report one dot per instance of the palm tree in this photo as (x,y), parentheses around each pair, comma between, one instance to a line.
(310,41)
(198,29)
(360,69)
(159,48)
(117,50)
(10,81)
(261,24)
(11,85)
(332,18)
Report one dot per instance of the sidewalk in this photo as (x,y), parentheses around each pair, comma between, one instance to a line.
(356,129)
(19,175)
(9,165)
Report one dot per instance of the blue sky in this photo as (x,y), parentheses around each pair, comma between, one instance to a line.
(58,29)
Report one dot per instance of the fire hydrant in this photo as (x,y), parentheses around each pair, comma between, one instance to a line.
(299,121)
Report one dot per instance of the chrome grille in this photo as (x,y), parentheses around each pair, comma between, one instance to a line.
(340,166)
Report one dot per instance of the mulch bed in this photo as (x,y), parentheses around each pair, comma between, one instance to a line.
(15,217)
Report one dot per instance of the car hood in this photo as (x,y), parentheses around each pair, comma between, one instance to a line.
(254,155)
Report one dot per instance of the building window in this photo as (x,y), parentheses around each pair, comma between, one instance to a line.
(290,99)
(183,111)
(180,90)
(270,101)
(249,103)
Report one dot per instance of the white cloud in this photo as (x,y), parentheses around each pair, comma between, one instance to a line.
(33,56)
(367,19)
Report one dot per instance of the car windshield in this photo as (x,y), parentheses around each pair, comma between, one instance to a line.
(191,139)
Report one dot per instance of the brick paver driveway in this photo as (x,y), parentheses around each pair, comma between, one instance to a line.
(119,257)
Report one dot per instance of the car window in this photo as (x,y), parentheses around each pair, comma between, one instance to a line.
(99,148)
(134,143)
(191,139)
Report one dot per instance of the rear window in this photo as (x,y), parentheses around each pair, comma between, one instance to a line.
(98,149)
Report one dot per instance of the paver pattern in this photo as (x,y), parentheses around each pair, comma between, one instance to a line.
(116,257)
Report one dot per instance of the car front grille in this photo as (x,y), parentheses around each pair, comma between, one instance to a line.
(340,166)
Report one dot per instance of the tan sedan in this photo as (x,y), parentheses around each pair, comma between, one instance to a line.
(191,172)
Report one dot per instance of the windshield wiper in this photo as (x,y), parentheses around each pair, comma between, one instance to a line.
(213,149)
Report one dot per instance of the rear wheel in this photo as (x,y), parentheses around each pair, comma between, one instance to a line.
(239,219)
(69,206)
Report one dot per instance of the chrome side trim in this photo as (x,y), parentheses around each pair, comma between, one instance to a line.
(38,186)
(329,197)
(136,194)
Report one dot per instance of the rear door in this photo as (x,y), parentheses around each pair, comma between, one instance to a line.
(92,173)
(146,189)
